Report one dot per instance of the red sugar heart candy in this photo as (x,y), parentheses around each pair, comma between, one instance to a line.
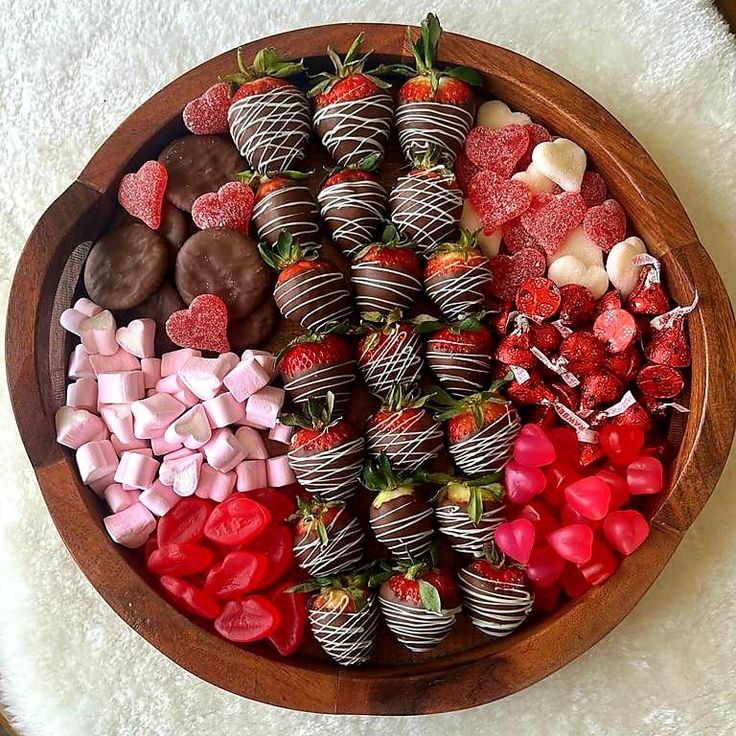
(229,207)
(508,273)
(498,149)
(142,194)
(202,327)
(497,200)
(516,237)
(538,298)
(616,328)
(573,543)
(593,189)
(465,170)
(660,381)
(626,530)
(516,539)
(207,114)
(550,218)
(537,134)
(605,224)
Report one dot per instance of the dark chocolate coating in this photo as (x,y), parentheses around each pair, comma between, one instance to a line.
(198,164)
(254,329)
(174,228)
(291,207)
(404,525)
(458,373)
(125,266)
(159,307)
(379,289)
(224,262)
(464,535)
(344,548)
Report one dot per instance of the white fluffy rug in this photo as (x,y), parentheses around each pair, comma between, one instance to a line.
(71,72)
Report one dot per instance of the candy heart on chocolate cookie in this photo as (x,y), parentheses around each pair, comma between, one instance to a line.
(207,114)
(142,193)
(203,326)
(230,206)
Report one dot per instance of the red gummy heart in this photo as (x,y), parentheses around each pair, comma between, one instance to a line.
(545,566)
(523,482)
(626,530)
(533,448)
(621,444)
(573,543)
(516,539)
(497,200)
(605,224)
(550,218)
(142,194)
(508,273)
(229,207)
(645,475)
(497,150)
(617,486)
(537,134)
(516,237)
(541,516)
(465,170)
(593,189)
(207,114)
(601,565)
(590,497)
(203,326)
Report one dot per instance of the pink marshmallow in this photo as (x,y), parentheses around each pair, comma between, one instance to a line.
(252,443)
(159,499)
(172,361)
(203,376)
(80,365)
(87,307)
(263,408)
(160,446)
(181,452)
(137,338)
(223,451)
(215,485)
(99,485)
(152,416)
(173,386)
(281,433)
(119,420)
(118,498)
(136,470)
(251,474)
(182,473)
(132,526)
(119,362)
(151,368)
(224,409)
(229,360)
(98,334)
(246,378)
(192,428)
(96,460)
(82,394)
(71,320)
(120,388)
(75,427)
(279,471)
(267,360)
(134,444)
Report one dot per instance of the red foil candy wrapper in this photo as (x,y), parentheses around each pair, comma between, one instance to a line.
(599,388)
(635,415)
(660,381)
(610,300)
(625,364)
(669,346)
(514,349)
(530,393)
(584,353)
(589,453)
(648,296)
(545,336)
(577,304)
(538,298)
(616,328)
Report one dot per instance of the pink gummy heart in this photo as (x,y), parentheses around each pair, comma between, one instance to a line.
(545,566)
(533,448)
(508,273)
(626,530)
(590,497)
(523,483)
(605,224)
(497,150)
(203,326)
(516,237)
(537,134)
(617,486)
(645,475)
(593,189)
(207,114)
(550,218)
(573,543)
(497,200)
(142,194)
(229,207)
(516,539)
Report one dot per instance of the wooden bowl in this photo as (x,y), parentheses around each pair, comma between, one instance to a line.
(467,670)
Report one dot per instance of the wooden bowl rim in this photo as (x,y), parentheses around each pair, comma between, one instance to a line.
(463,680)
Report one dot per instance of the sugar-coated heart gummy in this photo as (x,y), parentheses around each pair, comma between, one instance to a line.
(237,520)
(563,161)
(497,114)
(621,271)
(293,607)
(626,530)
(516,539)
(239,572)
(590,497)
(645,475)
(593,189)
(508,273)
(497,150)
(203,326)
(605,224)
(601,565)
(617,486)
(497,200)
(537,134)
(545,566)
(207,114)
(522,482)
(248,620)
(189,598)
(516,237)
(533,448)
(180,560)
(465,170)
(621,444)
(141,194)
(230,206)
(551,217)
(184,522)
(573,543)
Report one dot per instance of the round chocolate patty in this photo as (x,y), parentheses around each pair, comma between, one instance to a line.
(198,164)
(125,266)
(224,262)
(255,329)
(158,307)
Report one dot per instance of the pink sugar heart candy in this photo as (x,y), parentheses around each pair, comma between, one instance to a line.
(626,530)
(533,448)
(516,539)
(516,237)
(207,114)
(497,150)
(551,217)
(203,326)
(523,482)
(508,273)
(593,189)
(605,224)
(141,194)
(545,566)
(590,497)
(645,475)
(230,206)
(573,543)
(137,338)
(497,200)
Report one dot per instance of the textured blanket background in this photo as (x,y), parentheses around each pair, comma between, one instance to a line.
(71,72)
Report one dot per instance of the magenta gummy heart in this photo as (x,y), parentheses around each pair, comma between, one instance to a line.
(516,539)
(645,475)
(533,448)
(626,530)
(545,566)
(573,543)
(207,114)
(617,486)
(590,497)
(523,483)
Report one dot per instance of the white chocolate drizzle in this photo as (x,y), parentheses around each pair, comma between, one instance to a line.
(489,449)
(421,124)
(344,548)
(395,360)
(454,522)
(383,288)
(418,629)
(405,536)
(315,384)
(409,447)
(279,215)
(461,374)
(458,295)
(320,297)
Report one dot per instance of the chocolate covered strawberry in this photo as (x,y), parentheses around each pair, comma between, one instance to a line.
(497,596)
(420,603)
(268,115)
(386,275)
(404,430)
(400,517)
(326,452)
(283,202)
(343,616)
(353,205)
(460,355)
(426,203)
(353,111)
(436,107)
(481,429)
(457,277)
(327,537)
(309,290)
(390,353)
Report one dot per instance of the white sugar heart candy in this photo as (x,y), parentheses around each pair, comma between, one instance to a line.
(621,271)
(489,244)
(579,245)
(535,180)
(571,270)
(561,160)
(497,114)
(137,338)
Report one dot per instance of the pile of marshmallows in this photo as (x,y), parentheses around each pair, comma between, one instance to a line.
(148,431)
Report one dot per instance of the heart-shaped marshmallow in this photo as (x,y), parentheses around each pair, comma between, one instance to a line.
(469,220)
(535,180)
(182,473)
(192,429)
(497,114)
(137,338)
(230,206)
(75,427)
(142,194)
(207,114)
(497,200)
(571,270)
(98,334)
(203,326)
(579,245)
(563,161)
(622,272)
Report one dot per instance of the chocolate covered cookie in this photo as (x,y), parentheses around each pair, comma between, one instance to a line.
(158,307)
(255,329)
